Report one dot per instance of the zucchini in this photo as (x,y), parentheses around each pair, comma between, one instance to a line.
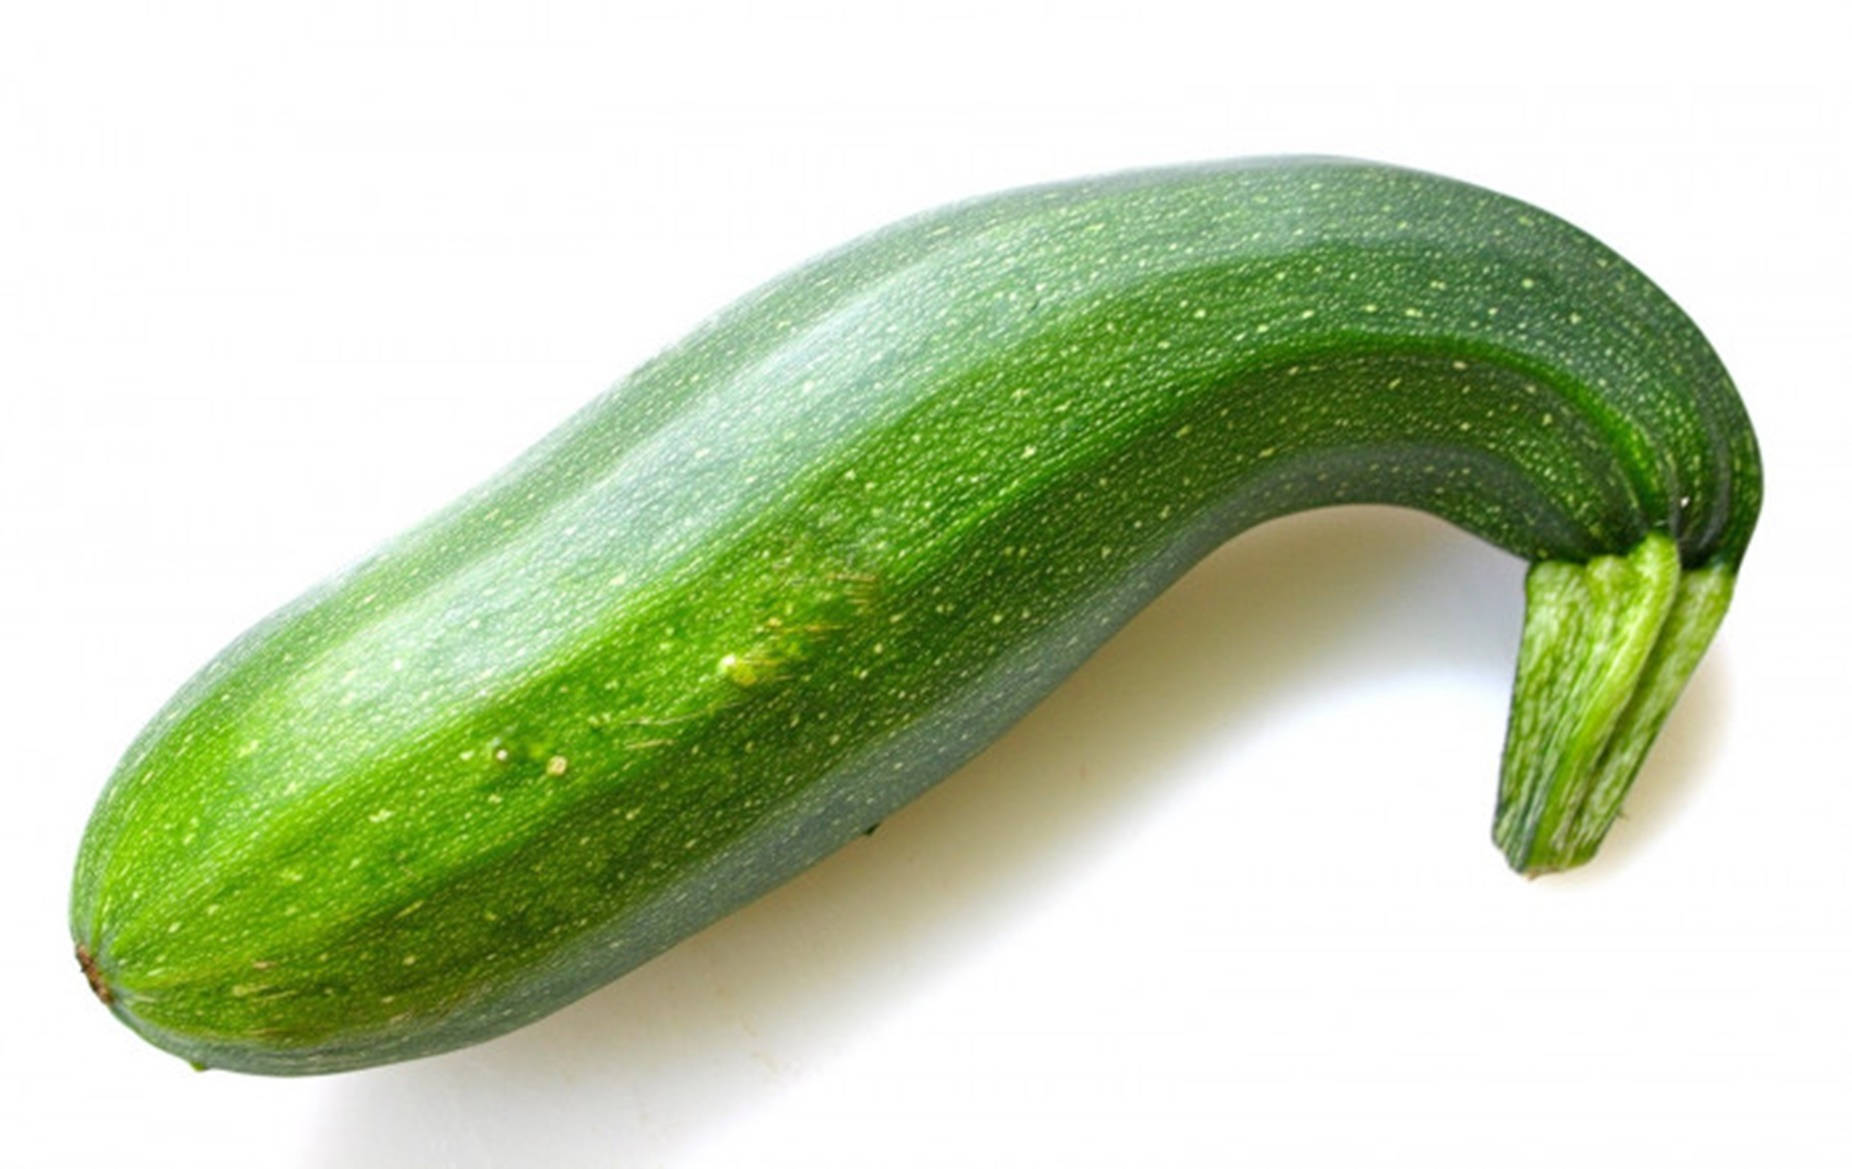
(811,559)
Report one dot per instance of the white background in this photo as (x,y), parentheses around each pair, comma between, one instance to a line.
(276,280)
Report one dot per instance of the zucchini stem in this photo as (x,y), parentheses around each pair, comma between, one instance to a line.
(1607,648)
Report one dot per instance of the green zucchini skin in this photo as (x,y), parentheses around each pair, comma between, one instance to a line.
(811,559)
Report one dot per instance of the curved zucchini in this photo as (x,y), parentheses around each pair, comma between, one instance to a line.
(808,561)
